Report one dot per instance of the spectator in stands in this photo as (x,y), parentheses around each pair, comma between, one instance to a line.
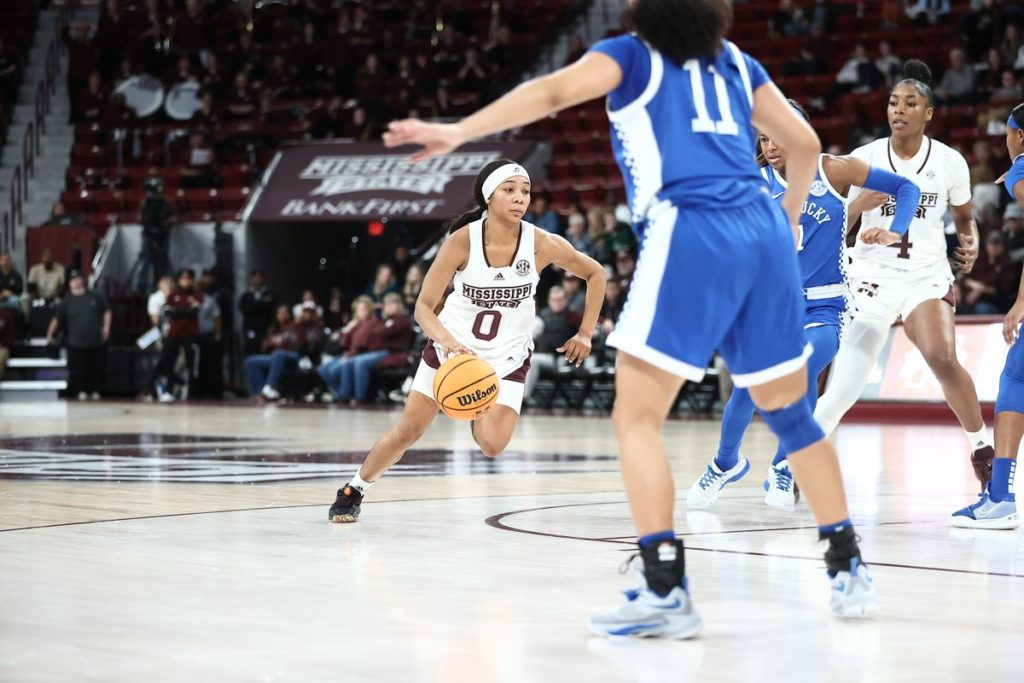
(927,12)
(859,74)
(309,60)
(822,14)
(383,283)
(183,72)
(156,214)
(980,26)
(1010,45)
(358,127)
(257,306)
(616,237)
(111,36)
(957,85)
(614,299)
(1013,228)
(888,64)
(85,318)
(199,163)
(208,117)
(241,101)
(366,341)
(330,123)
(542,215)
(473,76)
(302,338)
(308,297)
(982,170)
(989,78)
(625,266)
(574,293)
(82,58)
(577,234)
(892,14)
(806,63)
(992,289)
(92,102)
(12,284)
(335,314)
(210,370)
(214,79)
(413,284)
(371,85)
(554,324)
(60,216)
(48,278)
(788,20)
(502,55)
(279,80)
(156,301)
(118,115)
(192,31)
(181,325)
(1009,92)
(401,259)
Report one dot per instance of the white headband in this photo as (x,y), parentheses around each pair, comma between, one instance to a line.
(500,175)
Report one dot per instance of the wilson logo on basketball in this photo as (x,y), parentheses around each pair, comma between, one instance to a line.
(476,396)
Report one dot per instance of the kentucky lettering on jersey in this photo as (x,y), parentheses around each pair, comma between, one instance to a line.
(663,108)
(943,176)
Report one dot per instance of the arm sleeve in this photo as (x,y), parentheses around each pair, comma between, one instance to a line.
(960,180)
(907,194)
(633,58)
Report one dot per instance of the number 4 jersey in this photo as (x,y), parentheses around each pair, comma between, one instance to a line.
(943,176)
(491,310)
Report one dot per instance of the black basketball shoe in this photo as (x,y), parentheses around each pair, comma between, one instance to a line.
(982,459)
(346,505)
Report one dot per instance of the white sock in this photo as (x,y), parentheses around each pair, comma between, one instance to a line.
(979,438)
(360,484)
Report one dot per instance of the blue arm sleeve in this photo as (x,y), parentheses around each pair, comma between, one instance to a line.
(907,194)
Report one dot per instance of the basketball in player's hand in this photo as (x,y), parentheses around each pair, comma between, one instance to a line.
(465,387)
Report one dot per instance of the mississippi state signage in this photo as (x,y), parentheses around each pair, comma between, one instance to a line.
(339,181)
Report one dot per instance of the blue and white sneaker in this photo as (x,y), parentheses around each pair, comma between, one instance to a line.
(706,490)
(645,614)
(780,488)
(853,592)
(988,514)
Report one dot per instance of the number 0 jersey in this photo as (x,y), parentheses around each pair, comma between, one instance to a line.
(492,310)
(945,180)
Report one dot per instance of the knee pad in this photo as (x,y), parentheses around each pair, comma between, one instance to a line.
(1011,394)
(794,425)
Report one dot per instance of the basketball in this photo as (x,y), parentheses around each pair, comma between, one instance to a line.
(465,387)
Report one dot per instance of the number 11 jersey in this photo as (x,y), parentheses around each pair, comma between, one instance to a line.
(492,309)
(945,180)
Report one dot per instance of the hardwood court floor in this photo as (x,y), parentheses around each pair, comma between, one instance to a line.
(190,543)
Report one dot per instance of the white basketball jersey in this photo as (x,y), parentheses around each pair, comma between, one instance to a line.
(491,309)
(945,180)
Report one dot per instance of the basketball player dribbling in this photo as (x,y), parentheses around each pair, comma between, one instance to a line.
(997,506)
(822,258)
(717,270)
(911,279)
(495,259)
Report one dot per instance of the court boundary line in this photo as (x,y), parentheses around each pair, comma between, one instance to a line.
(495,521)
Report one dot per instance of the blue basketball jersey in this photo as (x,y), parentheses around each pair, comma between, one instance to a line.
(682,132)
(1014,175)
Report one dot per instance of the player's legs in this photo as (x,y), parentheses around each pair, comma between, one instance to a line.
(728,466)
(997,506)
(862,342)
(420,410)
(493,431)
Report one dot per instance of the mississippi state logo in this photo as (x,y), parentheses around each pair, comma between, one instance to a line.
(930,175)
(818,188)
(523,267)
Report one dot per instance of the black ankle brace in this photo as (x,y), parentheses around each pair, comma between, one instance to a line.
(842,547)
(664,565)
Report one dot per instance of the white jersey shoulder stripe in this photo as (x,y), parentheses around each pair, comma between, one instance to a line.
(741,64)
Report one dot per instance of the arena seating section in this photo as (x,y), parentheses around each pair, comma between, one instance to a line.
(18,20)
(582,170)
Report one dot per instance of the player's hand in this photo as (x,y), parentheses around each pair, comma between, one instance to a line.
(577,349)
(966,254)
(452,347)
(1001,179)
(870,199)
(878,236)
(1011,323)
(434,138)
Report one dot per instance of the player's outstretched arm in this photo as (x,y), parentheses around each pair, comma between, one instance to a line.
(594,75)
(557,250)
(452,256)
(849,171)
(1013,319)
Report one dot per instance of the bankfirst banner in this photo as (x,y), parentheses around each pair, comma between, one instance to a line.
(330,182)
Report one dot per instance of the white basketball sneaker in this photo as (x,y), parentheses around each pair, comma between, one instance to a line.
(706,490)
(853,592)
(780,488)
(988,514)
(645,614)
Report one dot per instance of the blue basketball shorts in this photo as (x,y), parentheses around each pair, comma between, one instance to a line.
(716,279)
(1011,382)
